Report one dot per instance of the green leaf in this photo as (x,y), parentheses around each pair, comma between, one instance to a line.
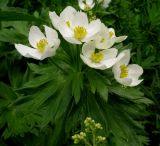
(77,85)
(12,36)
(131,94)
(98,83)
(17,16)
(6,92)
(3,3)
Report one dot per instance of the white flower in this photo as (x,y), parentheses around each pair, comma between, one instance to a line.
(43,46)
(98,59)
(104,3)
(106,38)
(66,16)
(75,27)
(86,5)
(125,73)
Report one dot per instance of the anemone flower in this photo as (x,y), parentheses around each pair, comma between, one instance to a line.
(125,73)
(86,5)
(75,27)
(43,46)
(98,59)
(106,38)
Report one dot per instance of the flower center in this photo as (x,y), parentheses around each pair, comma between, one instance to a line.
(124,71)
(97,57)
(68,24)
(80,32)
(41,45)
(102,40)
(111,34)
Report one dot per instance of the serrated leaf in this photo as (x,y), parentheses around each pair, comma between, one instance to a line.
(77,85)
(132,94)
(12,36)
(6,92)
(98,83)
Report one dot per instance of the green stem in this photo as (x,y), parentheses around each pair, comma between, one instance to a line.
(87,143)
(94,139)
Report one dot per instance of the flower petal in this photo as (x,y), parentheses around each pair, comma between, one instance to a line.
(72,40)
(106,3)
(68,13)
(110,53)
(56,43)
(49,52)
(81,4)
(126,57)
(124,81)
(51,35)
(88,49)
(89,2)
(55,19)
(135,82)
(93,28)
(109,63)
(112,31)
(120,39)
(135,70)
(35,35)
(80,19)
(88,62)
(28,52)
(104,30)
(65,30)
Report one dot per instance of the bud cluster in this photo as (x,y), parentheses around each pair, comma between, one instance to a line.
(100,139)
(91,125)
(79,137)
(91,130)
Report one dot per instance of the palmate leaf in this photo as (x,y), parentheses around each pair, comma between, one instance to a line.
(77,85)
(131,94)
(121,117)
(47,92)
(7,93)
(24,116)
(98,83)
(22,113)
(12,36)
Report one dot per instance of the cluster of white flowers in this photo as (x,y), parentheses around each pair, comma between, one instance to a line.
(97,43)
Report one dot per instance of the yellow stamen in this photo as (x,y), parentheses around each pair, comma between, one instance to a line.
(124,71)
(111,34)
(68,24)
(102,40)
(80,32)
(97,57)
(41,45)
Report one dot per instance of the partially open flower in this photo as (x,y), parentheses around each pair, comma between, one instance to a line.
(86,5)
(66,17)
(98,59)
(43,46)
(104,3)
(75,27)
(125,73)
(106,38)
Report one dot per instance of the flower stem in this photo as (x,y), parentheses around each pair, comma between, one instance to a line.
(87,143)
(94,139)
